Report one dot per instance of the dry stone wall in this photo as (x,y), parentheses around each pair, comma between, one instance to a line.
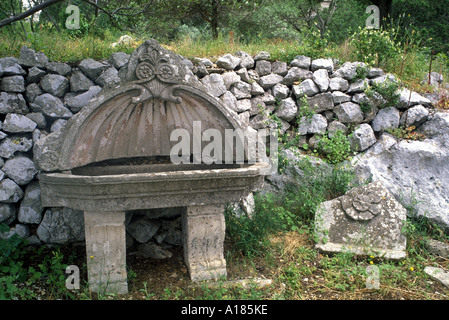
(37,96)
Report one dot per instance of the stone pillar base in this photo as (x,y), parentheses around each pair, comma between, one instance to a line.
(106,251)
(203,229)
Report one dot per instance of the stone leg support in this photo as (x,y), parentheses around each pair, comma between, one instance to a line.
(203,229)
(106,251)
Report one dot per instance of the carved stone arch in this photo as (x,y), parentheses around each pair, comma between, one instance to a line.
(136,118)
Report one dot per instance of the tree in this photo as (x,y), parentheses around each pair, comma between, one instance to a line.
(113,9)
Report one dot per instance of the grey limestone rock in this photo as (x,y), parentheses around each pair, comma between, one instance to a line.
(16,123)
(52,106)
(10,192)
(228,62)
(31,209)
(12,84)
(214,83)
(60,68)
(9,66)
(349,112)
(61,226)
(10,145)
(12,103)
(20,169)
(54,84)
(92,68)
(387,118)
(362,138)
(321,78)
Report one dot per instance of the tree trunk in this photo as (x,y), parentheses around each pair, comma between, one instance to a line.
(214,19)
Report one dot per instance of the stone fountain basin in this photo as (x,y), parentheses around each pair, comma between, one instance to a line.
(120,188)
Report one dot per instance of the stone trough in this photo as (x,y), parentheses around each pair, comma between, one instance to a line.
(115,156)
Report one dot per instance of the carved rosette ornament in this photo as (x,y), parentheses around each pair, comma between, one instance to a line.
(363,206)
(156,76)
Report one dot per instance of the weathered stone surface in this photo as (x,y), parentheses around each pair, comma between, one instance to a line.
(10,192)
(228,62)
(327,64)
(79,82)
(35,75)
(296,74)
(229,78)
(143,229)
(321,78)
(9,146)
(92,68)
(247,60)
(32,91)
(52,106)
(301,62)
(108,77)
(340,97)
(15,123)
(20,230)
(357,86)
(241,90)
(287,109)
(349,112)
(29,58)
(229,101)
(279,67)
(12,84)
(316,124)
(243,105)
(262,55)
(270,80)
(438,274)
(362,138)
(414,116)
(119,59)
(38,118)
(367,220)
(395,163)
(335,126)
(20,169)
(306,88)
(9,66)
(409,98)
(8,213)
(348,70)
(78,101)
(12,103)
(321,102)
(204,224)
(31,209)
(256,89)
(281,91)
(214,84)
(58,125)
(387,118)
(338,84)
(55,84)
(60,68)
(437,248)
(61,226)
(263,67)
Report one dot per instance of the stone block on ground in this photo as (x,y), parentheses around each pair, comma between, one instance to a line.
(367,220)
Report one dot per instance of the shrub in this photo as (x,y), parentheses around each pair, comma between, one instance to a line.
(374,47)
(335,149)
